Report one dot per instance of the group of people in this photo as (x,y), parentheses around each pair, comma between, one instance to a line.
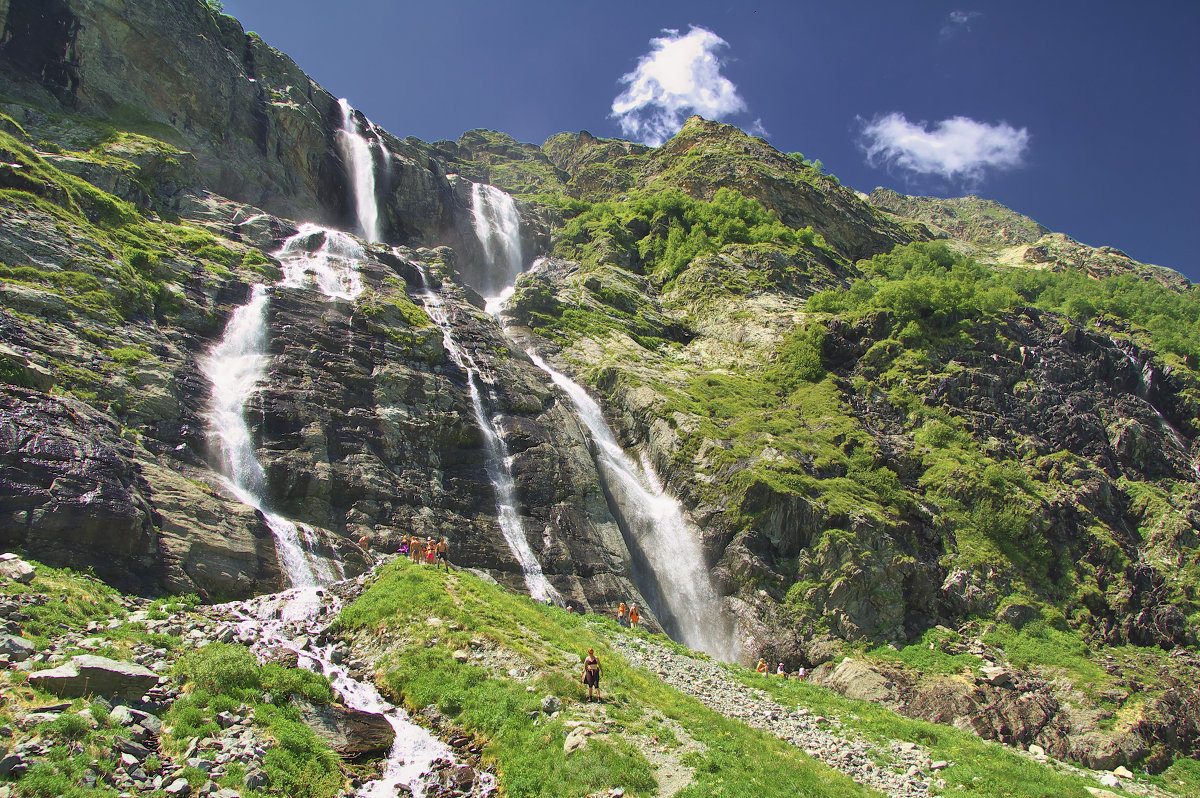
(432,552)
(780,671)
(628,618)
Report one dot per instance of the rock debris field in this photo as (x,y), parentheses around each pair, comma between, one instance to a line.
(902,770)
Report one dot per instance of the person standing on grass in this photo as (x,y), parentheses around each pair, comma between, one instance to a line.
(417,549)
(443,553)
(430,552)
(633,616)
(621,616)
(592,673)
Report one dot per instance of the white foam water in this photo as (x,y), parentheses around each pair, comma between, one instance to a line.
(360,167)
(674,574)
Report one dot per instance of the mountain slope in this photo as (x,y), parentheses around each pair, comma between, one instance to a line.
(985,445)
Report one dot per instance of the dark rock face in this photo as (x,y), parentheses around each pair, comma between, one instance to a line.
(71,492)
(350,732)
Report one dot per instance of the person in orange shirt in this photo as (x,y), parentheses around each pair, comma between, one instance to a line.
(621,616)
(633,615)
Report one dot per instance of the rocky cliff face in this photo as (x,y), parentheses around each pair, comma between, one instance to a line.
(875,435)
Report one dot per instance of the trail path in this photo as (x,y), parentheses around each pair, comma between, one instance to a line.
(900,770)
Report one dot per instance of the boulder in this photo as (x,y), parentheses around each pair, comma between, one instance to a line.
(350,732)
(551,704)
(855,679)
(17,649)
(92,675)
(15,569)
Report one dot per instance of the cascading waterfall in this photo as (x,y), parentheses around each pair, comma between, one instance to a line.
(495,454)
(360,165)
(294,620)
(669,562)
(498,227)
(330,266)
(235,367)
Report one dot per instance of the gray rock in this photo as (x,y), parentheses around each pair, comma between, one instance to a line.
(88,675)
(14,568)
(178,788)
(551,704)
(348,731)
(17,649)
(255,779)
(121,715)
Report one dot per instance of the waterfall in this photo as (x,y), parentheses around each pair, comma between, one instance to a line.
(669,563)
(495,453)
(235,368)
(498,227)
(360,166)
(330,266)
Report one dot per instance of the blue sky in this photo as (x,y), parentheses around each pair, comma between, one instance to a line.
(1084,115)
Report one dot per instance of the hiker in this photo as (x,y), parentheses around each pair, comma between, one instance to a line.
(430,552)
(800,673)
(403,550)
(621,616)
(633,616)
(414,549)
(591,674)
(780,671)
(364,541)
(443,553)
(762,665)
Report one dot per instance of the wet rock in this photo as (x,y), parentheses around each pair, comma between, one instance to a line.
(88,674)
(348,731)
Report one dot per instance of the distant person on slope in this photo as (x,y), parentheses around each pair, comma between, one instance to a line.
(762,665)
(780,671)
(633,616)
(591,674)
(415,549)
(430,552)
(621,616)
(443,553)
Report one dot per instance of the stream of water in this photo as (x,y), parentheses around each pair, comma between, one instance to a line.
(360,167)
(669,564)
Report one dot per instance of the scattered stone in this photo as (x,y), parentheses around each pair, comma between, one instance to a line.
(1122,772)
(551,704)
(14,568)
(17,649)
(461,655)
(178,788)
(348,731)
(577,739)
(1109,780)
(88,674)
(1036,751)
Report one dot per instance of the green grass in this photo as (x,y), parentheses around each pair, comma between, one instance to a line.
(977,767)
(219,678)
(736,761)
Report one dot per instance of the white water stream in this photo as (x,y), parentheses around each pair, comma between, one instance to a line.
(294,620)
(674,575)
(498,228)
(496,458)
(360,167)
(236,368)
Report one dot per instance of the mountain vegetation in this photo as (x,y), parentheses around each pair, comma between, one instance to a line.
(939,456)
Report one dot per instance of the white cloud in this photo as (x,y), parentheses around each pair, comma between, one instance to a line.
(956,148)
(958,21)
(681,75)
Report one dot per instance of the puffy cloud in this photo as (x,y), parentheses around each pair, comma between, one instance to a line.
(681,75)
(958,21)
(956,148)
